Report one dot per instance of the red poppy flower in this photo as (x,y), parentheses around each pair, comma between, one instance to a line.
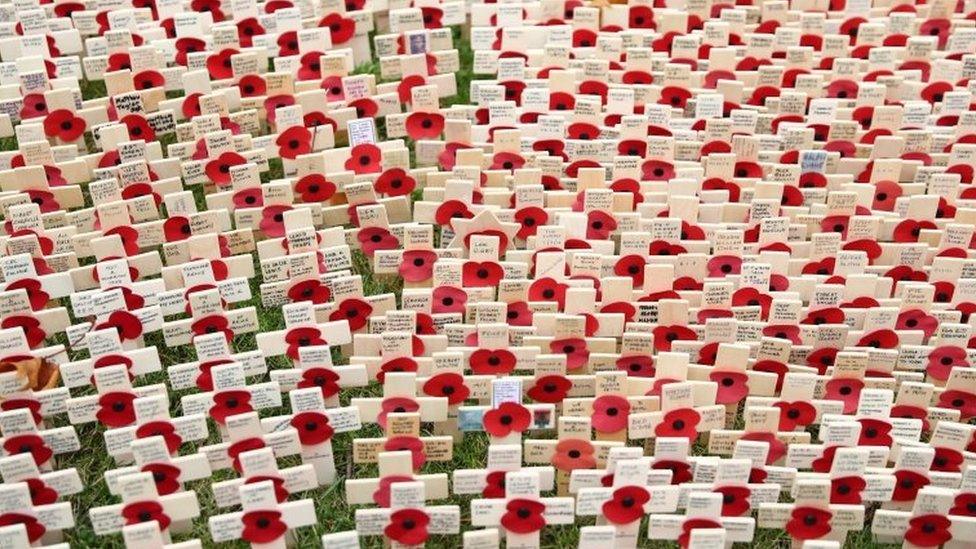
(735,500)
(795,414)
(657,170)
(507,418)
(846,390)
(874,432)
(219,64)
(492,362)
(751,297)
(145,511)
(28,443)
(930,530)
(376,238)
(910,229)
(408,527)
(626,505)
(262,526)
(34,106)
(165,476)
(523,516)
(177,228)
(599,225)
(477,274)
(356,311)
(636,365)
(395,405)
(575,350)
(229,403)
(947,460)
(64,125)
(309,290)
(382,495)
(218,169)
(315,188)
(115,409)
(399,364)
(417,265)
(31,326)
(395,182)
(682,422)
(323,378)
(964,505)
(531,218)
(212,324)
(610,413)
(693,524)
(449,385)
(422,125)
(943,359)
(161,428)
(35,530)
(907,485)
(675,96)
(125,323)
(547,289)
(447,299)
(963,401)
(664,336)
(550,389)
(342,29)
(494,485)
(235,450)
(507,161)
(41,493)
(302,337)
(722,265)
(829,315)
(294,141)
(30,404)
(313,428)
(809,523)
(451,210)
(879,339)
(732,386)
(917,319)
(574,454)
(35,293)
(846,490)
(365,158)
(138,127)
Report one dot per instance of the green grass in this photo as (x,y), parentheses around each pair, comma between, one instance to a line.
(333,513)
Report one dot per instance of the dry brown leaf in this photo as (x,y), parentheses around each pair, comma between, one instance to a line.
(38,373)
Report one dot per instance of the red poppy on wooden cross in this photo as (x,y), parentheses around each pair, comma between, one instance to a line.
(702,519)
(490,481)
(169,473)
(260,465)
(213,350)
(45,488)
(45,521)
(316,426)
(245,433)
(303,330)
(22,435)
(394,467)
(263,522)
(106,349)
(314,370)
(142,503)
(113,405)
(231,396)
(522,512)
(400,396)
(408,522)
